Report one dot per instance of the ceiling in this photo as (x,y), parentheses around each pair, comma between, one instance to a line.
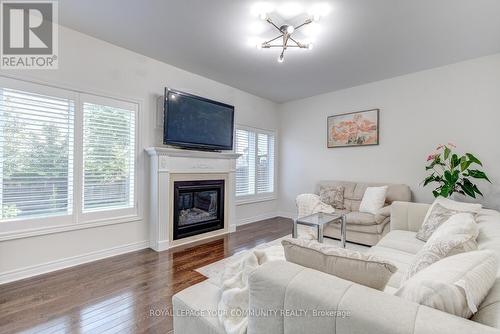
(358,41)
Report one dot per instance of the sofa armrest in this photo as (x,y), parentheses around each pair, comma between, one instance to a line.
(290,299)
(408,216)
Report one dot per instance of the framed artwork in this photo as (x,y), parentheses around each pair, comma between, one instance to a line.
(353,129)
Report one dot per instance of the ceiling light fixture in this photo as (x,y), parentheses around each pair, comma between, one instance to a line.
(286,31)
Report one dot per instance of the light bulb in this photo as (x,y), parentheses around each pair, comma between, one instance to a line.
(316,17)
(263,16)
(258,45)
(310,46)
(281,59)
(290,29)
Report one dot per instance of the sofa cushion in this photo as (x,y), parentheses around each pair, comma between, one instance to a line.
(360,218)
(456,284)
(332,195)
(457,235)
(199,299)
(400,240)
(489,238)
(440,211)
(373,200)
(355,266)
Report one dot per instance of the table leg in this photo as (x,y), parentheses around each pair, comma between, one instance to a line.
(320,233)
(343,231)
(294,229)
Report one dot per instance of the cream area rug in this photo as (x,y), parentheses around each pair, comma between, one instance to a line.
(215,270)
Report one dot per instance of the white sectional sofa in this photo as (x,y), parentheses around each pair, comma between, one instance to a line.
(284,285)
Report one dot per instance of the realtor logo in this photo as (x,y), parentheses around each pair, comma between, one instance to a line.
(29,34)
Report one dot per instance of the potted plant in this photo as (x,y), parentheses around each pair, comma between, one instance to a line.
(453,173)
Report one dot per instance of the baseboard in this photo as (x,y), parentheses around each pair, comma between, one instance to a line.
(256,218)
(43,268)
(291,215)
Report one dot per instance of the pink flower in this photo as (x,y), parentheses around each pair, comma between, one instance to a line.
(439,147)
(432,157)
(452,145)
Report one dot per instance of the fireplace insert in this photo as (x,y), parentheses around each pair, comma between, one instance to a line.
(198,207)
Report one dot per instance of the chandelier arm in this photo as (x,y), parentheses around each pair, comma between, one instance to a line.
(272,23)
(282,46)
(272,40)
(300,45)
(308,21)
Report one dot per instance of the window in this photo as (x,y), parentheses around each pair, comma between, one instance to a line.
(65,157)
(108,157)
(36,154)
(255,166)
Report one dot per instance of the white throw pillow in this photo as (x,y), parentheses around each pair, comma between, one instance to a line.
(457,235)
(358,267)
(440,211)
(373,200)
(456,285)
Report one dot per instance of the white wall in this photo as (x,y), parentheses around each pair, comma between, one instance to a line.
(91,65)
(458,103)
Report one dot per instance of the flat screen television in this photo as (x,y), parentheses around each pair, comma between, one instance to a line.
(195,122)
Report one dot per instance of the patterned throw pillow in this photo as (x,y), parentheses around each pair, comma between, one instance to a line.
(439,212)
(332,195)
(457,235)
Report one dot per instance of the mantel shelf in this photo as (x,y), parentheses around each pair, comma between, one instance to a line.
(174,152)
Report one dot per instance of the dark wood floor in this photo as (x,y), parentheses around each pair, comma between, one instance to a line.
(116,295)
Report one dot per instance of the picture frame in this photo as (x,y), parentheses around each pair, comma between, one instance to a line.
(359,128)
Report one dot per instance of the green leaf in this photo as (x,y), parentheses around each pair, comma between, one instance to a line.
(435,193)
(477,174)
(455,161)
(446,190)
(473,158)
(429,179)
(477,190)
(448,177)
(468,188)
(465,164)
(447,152)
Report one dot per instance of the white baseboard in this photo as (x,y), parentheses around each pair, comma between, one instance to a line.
(43,268)
(253,219)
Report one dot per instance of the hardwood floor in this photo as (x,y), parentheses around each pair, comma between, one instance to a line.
(117,294)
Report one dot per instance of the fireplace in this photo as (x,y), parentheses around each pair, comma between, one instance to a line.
(198,207)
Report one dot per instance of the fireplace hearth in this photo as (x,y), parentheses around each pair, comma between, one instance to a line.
(198,207)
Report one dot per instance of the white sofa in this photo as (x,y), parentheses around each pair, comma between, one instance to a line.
(283,285)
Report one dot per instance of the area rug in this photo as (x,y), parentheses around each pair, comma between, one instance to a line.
(214,270)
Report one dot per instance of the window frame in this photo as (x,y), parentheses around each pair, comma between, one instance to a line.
(259,197)
(109,213)
(26,227)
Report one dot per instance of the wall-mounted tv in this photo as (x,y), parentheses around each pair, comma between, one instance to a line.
(195,122)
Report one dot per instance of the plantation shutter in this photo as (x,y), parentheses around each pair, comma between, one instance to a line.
(108,157)
(36,154)
(255,166)
(265,163)
(245,165)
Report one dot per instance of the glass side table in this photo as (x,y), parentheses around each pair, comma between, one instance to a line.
(319,220)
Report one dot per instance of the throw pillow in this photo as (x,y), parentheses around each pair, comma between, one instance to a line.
(373,200)
(456,285)
(361,268)
(440,211)
(332,195)
(457,235)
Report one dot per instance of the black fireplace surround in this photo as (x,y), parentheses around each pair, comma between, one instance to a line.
(198,207)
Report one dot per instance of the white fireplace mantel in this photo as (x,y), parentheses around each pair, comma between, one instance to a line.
(169,165)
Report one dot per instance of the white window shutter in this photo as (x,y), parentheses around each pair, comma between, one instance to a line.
(36,155)
(108,157)
(255,168)
(245,165)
